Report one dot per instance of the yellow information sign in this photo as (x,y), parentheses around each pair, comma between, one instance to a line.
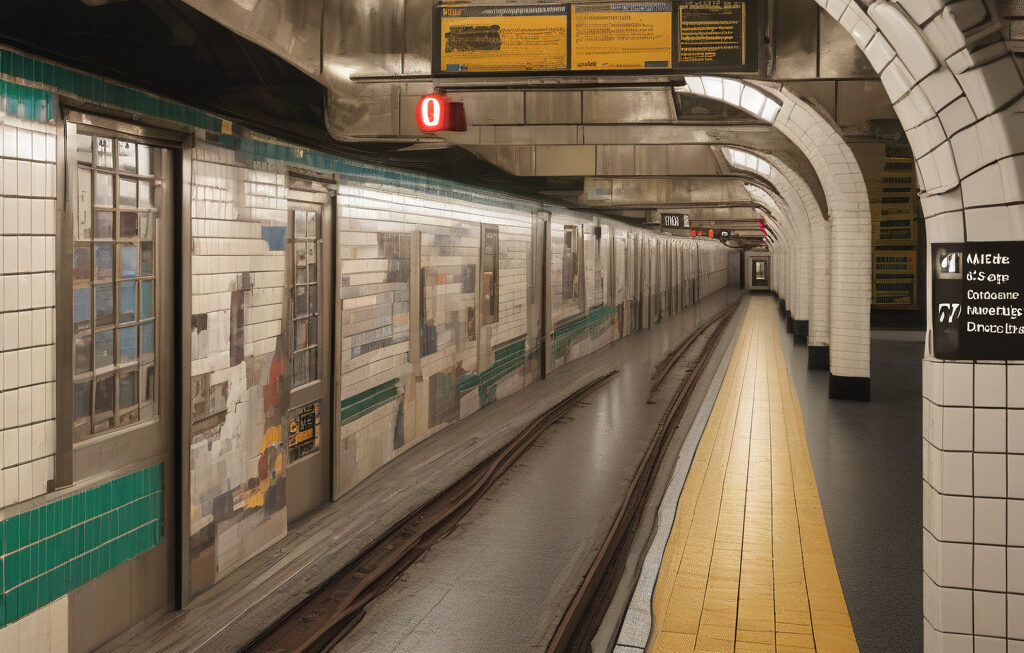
(504,39)
(621,35)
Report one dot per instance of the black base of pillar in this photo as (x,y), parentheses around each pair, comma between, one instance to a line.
(818,357)
(801,328)
(856,388)
(789,322)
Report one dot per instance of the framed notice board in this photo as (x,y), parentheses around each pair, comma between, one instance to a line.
(715,36)
(978,300)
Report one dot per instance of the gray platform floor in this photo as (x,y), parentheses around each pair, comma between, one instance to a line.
(867,464)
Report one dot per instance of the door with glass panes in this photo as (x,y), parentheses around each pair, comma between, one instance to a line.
(118,401)
(310,310)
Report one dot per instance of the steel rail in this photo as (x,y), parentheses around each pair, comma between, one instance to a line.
(334,608)
(586,611)
(666,364)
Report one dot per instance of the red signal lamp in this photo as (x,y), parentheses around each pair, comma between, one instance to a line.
(436,113)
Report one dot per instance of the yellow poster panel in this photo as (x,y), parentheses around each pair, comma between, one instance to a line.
(894,278)
(621,36)
(504,39)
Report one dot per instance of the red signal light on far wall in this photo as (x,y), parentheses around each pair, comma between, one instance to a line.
(435,113)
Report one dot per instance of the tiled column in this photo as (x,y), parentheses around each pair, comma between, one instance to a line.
(850,231)
(957,92)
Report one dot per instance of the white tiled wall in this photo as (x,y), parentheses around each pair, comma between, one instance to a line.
(27,239)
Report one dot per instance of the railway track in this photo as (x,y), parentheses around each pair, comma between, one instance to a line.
(332,610)
(586,612)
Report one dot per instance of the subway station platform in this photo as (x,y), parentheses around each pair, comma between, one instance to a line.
(743,559)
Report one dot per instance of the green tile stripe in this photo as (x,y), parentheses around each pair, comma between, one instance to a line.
(51,550)
(593,323)
(366,401)
(26,103)
(85,86)
(507,359)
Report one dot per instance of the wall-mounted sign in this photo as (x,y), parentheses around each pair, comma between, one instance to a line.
(639,36)
(978,301)
(303,431)
(516,38)
(717,35)
(675,220)
(622,36)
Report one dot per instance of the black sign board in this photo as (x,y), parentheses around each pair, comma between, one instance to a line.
(717,35)
(978,301)
(675,220)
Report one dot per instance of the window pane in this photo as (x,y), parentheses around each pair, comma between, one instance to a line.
(300,301)
(82,310)
(127,192)
(125,302)
(145,194)
(82,263)
(300,335)
(311,263)
(312,332)
(83,354)
(300,224)
(127,344)
(314,299)
(145,160)
(146,264)
(104,308)
(148,383)
(104,348)
(126,157)
(300,373)
(104,153)
(83,228)
(103,405)
(145,300)
(146,226)
(104,270)
(104,224)
(129,225)
(83,408)
(300,262)
(311,231)
(147,336)
(129,259)
(104,189)
(128,390)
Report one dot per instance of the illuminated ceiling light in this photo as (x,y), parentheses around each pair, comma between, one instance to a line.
(748,161)
(740,95)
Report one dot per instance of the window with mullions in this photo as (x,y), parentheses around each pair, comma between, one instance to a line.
(305,297)
(114,285)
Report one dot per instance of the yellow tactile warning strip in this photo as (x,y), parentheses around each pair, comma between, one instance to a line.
(748,565)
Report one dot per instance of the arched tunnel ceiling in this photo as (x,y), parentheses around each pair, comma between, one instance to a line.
(321,70)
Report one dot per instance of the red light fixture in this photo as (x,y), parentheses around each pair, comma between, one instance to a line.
(435,113)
